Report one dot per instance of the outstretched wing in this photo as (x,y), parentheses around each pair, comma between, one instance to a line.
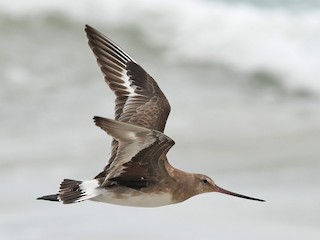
(139,100)
(141,154)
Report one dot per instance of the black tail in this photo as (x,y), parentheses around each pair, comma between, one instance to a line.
(69,192)
(53,197)
(72,191)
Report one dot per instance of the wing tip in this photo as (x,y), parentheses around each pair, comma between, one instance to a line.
(98,119)
(104,123)
(91,32)
(87,28)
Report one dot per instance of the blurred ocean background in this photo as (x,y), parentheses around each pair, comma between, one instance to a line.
(242,78)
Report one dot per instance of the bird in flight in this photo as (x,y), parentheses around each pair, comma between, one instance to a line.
(138,173)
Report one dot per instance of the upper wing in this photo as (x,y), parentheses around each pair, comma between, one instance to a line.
(139,100)
(141,154)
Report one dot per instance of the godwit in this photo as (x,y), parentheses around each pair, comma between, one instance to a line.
(138,172)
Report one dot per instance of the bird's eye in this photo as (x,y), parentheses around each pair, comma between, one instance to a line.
(205,180)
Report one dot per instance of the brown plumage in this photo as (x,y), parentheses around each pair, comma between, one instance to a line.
(139,100)
(138,172)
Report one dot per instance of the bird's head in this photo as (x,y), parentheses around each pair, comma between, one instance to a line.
(206,184)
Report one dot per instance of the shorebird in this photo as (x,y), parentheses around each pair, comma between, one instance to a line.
(138,173)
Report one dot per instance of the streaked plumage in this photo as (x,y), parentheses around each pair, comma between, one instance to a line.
(138,172)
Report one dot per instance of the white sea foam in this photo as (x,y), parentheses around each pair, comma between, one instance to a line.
(248,39)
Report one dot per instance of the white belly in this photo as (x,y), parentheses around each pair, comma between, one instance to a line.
(134,198)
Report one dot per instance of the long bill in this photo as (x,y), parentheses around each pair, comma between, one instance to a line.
(221,190)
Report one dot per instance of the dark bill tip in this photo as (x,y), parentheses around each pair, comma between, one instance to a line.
(221,190)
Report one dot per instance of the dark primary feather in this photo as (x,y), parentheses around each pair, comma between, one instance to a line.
(139,100)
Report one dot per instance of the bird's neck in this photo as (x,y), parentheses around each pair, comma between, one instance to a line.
(183,184)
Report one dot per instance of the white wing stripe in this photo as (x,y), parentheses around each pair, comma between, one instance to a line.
(126,84)
(113,47)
